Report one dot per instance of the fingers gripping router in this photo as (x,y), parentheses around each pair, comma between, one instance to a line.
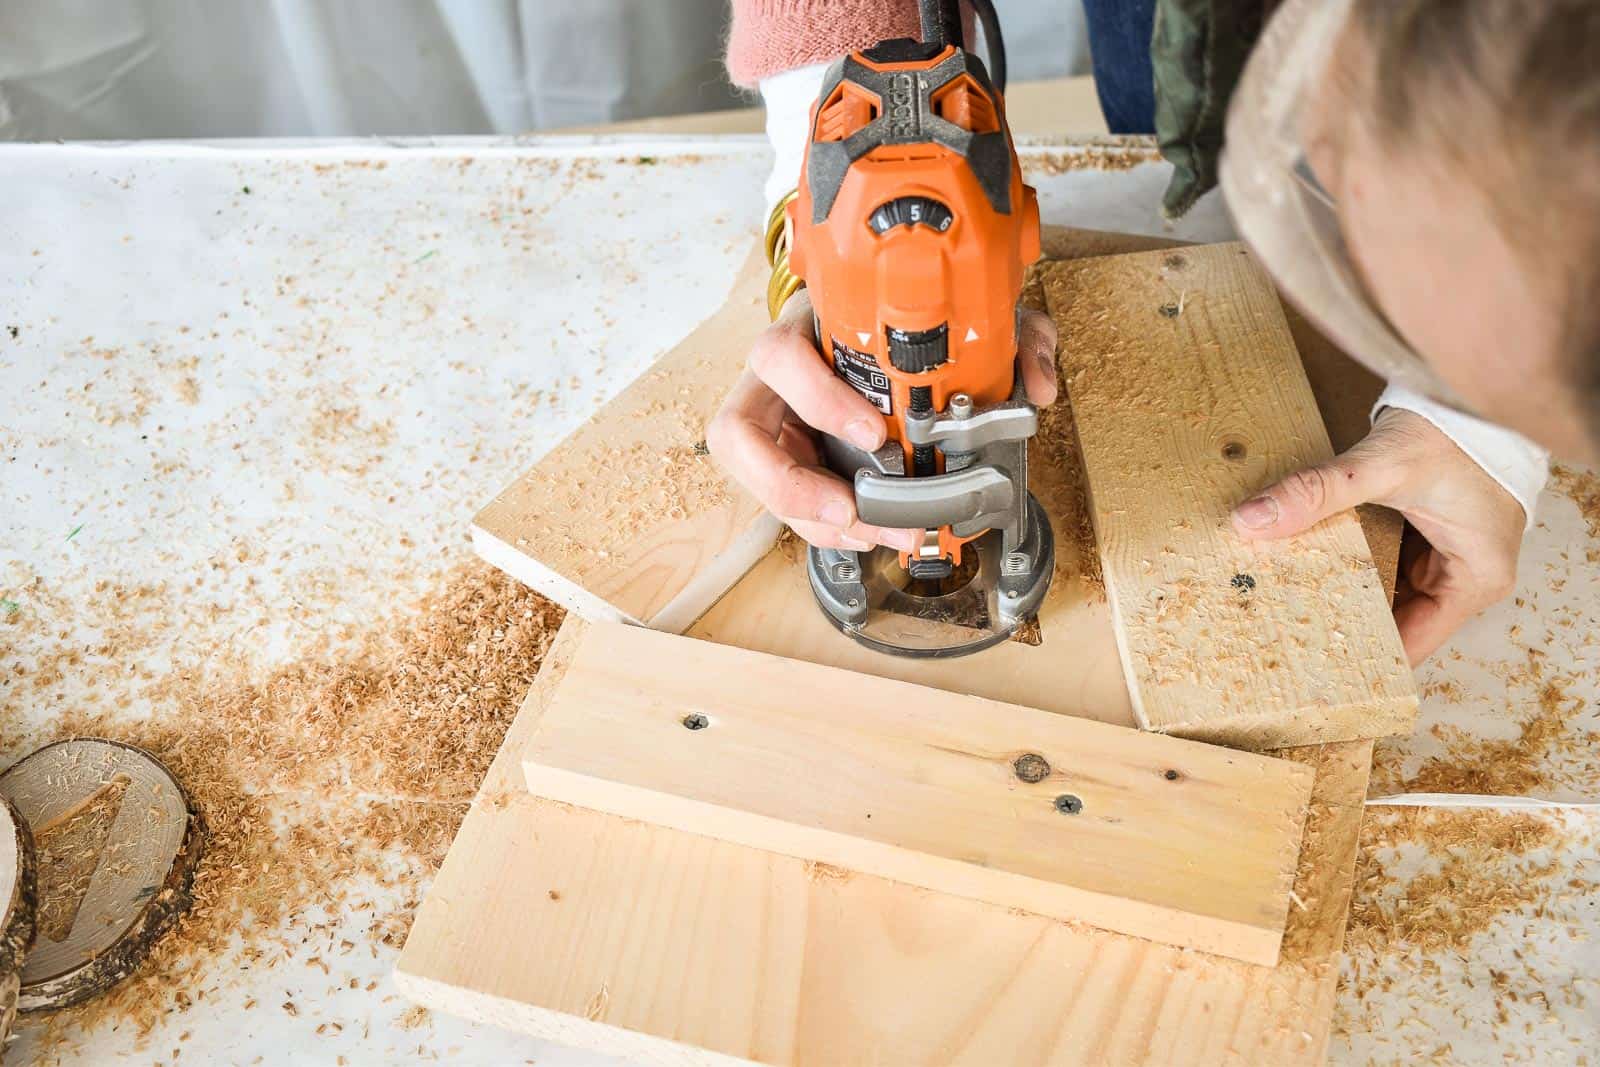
(911,230)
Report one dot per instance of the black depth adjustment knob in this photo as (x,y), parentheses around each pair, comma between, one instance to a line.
(915,351)
(910,211)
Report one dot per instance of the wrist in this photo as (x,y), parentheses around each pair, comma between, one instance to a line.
(1517,464)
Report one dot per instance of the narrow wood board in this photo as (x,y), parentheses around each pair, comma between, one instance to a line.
(1188,397)
(661,946)
(630,939)
(1181,842)
(629,519)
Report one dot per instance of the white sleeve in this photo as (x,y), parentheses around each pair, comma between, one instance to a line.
(1519,465)
(789,97)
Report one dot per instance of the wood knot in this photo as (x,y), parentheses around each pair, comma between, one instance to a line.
(1031,767)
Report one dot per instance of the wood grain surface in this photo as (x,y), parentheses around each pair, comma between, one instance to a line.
(113,878)
(1181,842)
(629,518)
(667,947)
(1188,397)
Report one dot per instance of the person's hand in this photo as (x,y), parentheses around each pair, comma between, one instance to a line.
(764,434)
(1471,526)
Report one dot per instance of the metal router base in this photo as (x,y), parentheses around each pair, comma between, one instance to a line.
(872,599)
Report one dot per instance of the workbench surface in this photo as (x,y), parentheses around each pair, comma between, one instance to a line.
(254,393)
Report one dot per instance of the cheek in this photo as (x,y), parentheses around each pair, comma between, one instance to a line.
(1441,297)
(1452,288)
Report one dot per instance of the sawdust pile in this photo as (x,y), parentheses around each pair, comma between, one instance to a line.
(1583,488)
(1055,451)
(404,719)
(619,490)
(1464,887)
(1495,767)
(1432,887)
(67,852)
(1116,154)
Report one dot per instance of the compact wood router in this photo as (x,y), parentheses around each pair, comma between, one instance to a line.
(911,230)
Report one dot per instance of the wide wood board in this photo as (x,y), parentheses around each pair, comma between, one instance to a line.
(1181,842)
(663,946)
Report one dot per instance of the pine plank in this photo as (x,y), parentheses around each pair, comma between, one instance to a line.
(628,518)
(1181,842)
(634,940)
(1187,397)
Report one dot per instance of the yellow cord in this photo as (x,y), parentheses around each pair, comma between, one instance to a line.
(783,284)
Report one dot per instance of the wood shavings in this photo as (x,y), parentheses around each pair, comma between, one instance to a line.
(1466,938)
(1471,764)
(1465,887)
(1114,155)
(1055,448)
(414,1017)
(68,854)
(668,474)
(1583,489)
(405,721)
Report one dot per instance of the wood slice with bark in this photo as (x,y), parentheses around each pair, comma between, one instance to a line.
(116,841)
(16,911)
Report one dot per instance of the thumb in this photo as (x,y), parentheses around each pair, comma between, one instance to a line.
(1308,496)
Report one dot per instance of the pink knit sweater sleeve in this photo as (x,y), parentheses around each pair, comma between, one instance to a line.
(771,36)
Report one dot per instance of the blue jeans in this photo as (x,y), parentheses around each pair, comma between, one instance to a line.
(1119,47)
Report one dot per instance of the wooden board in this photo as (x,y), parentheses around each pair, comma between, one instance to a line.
(629,519)
(1180,842)
(1188,397)
(663,946)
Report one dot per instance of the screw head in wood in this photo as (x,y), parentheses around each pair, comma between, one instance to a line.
(695,721)
(1067,804)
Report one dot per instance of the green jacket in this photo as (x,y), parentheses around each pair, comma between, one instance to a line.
(1197,51)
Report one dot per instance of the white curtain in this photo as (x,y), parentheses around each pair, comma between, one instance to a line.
(116,69)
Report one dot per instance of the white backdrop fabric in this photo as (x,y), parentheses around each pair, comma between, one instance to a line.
(130,69)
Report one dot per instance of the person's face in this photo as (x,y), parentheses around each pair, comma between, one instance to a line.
(1423,238)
